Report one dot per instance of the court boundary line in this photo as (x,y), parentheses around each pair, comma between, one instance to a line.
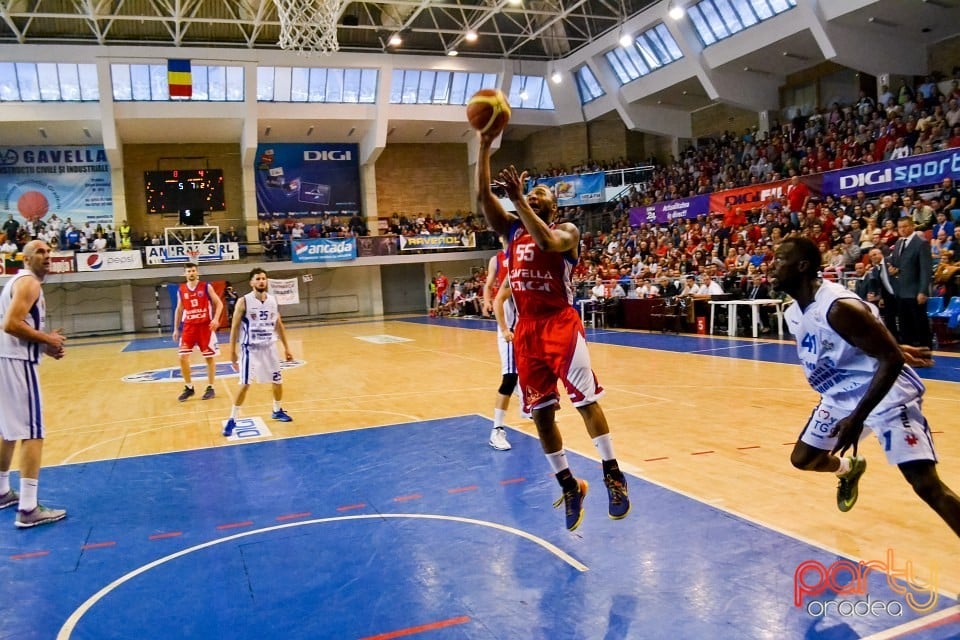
(67,628)
(634,471)
(915,625)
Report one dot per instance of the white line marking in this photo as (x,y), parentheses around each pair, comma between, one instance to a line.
(71,622)
(919,623)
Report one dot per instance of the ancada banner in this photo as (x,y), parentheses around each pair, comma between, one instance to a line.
(71,181)
(436,241)
(305,179)
(574,190)
(209,252)
(324,250)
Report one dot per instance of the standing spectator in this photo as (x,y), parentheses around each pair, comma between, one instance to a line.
(126,235)
(230,297)
(22,319)
(880,290)
(11,227)
(99,243)
(911,258)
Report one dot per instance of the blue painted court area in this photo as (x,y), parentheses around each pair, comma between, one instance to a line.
(415,530)
(947,367)
(163,342)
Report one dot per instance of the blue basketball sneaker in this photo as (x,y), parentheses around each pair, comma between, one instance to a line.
(573,501)
(617,492)
(282,416)
(229,427)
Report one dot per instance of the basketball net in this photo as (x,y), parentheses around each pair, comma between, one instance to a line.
(192,250)
(309,26)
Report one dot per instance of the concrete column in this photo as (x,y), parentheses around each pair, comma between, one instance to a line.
(128,319)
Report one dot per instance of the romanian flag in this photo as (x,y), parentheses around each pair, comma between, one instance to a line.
(178,77)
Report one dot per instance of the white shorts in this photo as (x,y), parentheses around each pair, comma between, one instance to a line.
(508,356)
(21,416)
(901,430)
(259,364)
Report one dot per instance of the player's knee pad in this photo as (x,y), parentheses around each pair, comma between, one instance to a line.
(508,384)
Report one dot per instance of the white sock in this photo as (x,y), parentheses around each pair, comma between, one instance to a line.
(276,405)
(604,445)
(499,417)
(28,494)
(4,482)
(189,385)
(234,412)
(844,466)
(558,461)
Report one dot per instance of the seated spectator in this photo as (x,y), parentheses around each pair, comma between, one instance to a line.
(9,247)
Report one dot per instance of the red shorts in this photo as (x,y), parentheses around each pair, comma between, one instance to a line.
(551,349)
(196,335)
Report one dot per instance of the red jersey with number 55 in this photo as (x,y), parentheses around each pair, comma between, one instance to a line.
(196,303)
(540,279)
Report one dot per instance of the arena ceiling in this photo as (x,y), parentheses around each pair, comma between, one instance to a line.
(525,29)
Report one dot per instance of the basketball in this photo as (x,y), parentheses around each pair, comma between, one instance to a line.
(488,111)
(33,205)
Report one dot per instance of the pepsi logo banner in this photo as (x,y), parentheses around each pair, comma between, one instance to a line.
(109,261)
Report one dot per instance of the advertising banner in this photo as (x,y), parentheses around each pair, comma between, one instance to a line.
(574,190)
(307,179)
(437,241)
(748,197)
(669,210)
(62,262)
(324,250)
(893,175)
(109,261)
(72,182)
(287,291)
(209,252)
(371,246)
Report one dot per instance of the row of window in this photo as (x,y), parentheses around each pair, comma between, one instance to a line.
(713,21)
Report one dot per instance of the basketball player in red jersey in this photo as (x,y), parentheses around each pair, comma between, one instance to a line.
(199,308)
(549,338)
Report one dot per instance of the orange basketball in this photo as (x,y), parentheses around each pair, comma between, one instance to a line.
(33,205)
(488,111)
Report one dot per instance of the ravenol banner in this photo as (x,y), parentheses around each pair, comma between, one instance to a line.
(305,179)
(437,241)
(574,190)
(324,250)
(72,182)
(912,171)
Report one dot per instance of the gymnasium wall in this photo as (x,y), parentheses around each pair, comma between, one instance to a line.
(138,158)
(414,178)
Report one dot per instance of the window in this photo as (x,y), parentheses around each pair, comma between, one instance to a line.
(715,20)
(150,82)
(537,93)
(413,86)
(650,51)
(48,82)
(587,85)
(316,84)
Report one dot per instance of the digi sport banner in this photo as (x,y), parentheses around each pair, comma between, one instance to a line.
(72,182)
(307,179)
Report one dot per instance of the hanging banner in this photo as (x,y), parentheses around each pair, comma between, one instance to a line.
(746,198)
(177,254)
(109,261)
(72,182)
(371,246)
(287,291)
(577,189)
(437,241)
(893,175)
(307,179)
(323,250)
(669,210)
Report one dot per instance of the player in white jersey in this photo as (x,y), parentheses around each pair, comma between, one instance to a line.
(506,320)
(863,378)
(256,326)
(22,340)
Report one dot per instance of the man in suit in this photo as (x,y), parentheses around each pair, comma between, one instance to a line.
(880,290)
(757,289)
(913,270)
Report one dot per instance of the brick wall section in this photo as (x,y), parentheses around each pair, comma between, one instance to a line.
(717,118)
(138,158)
(415,178)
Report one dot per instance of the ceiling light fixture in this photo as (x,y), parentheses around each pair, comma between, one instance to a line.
(43,132)
(452,53)
(626,40)
(350,133)
(470,36)
(310,130)
(86,132)
(516,2)
(676,11)
(556,77)
(429,131)
(395,40)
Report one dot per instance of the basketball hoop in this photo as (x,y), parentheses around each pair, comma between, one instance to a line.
(309,26)
(192,250)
